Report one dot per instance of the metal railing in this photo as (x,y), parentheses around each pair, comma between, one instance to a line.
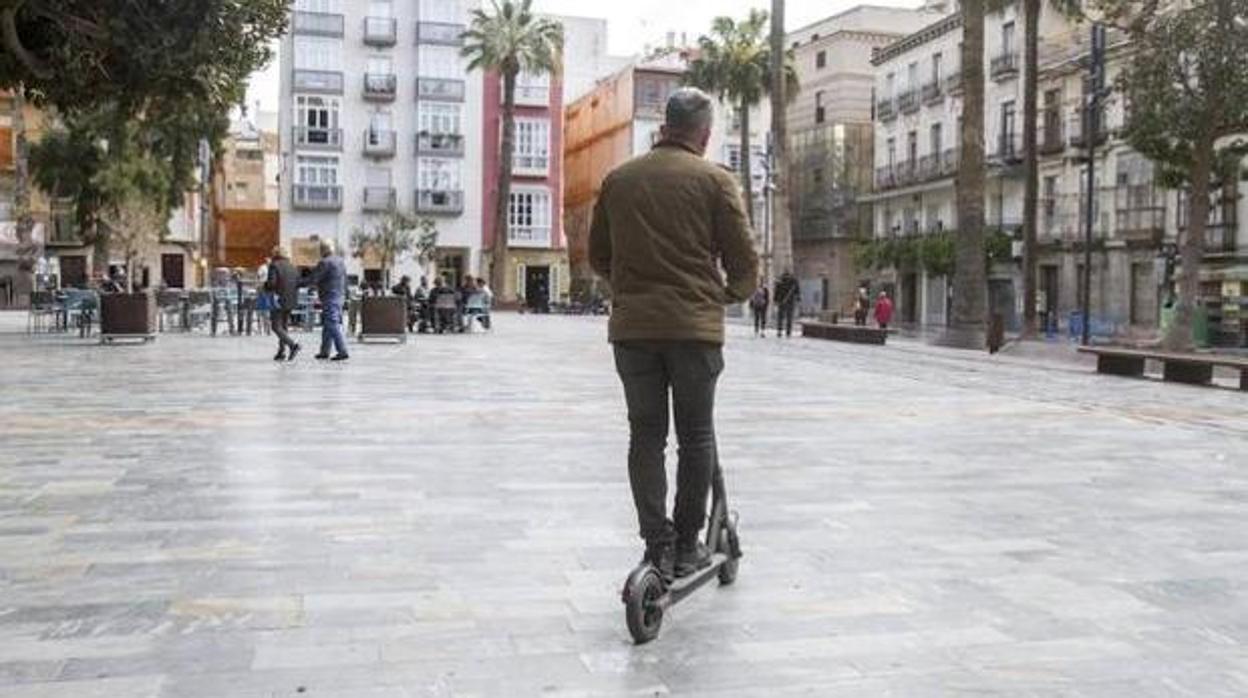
(307,138)
(1004,65)
(378,143)
(439,144)
(440,89)
(908,102)
(326,81)
(381,31)
(439,201)
(380,87)
(933,92)
(529,235)
(317,197)
(885,110)
(440,33)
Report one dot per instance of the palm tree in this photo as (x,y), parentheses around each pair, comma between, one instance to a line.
(970,282)
(26,248)
(1031,162)
(781,233)
(734,62)
(509,39)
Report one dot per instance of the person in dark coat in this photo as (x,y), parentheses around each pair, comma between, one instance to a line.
(330,279)
(283,286)
(787,294)
(759,302)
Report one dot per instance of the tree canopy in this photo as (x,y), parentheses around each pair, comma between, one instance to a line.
(734,61)
(512,38)
(79,54)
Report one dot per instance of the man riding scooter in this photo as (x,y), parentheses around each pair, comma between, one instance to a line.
(664,224)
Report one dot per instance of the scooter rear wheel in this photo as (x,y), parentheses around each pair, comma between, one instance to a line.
(727,543)
(641,607)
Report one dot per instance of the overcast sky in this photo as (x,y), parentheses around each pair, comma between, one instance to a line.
(631,24)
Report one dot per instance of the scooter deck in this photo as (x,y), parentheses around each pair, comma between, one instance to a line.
(685,586)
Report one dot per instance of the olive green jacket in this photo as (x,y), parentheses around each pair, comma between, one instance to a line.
(664,224)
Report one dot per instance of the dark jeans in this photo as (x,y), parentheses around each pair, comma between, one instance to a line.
(280,320)
(784,319)
(331,329)
(760,319)
(650,372)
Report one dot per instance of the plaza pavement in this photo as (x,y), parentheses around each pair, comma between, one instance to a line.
(451,518)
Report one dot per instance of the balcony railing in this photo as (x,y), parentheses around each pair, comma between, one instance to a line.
(378,198)
(317,24)
(529,235)
(1009,149)
(307,138)
(953,83)
(440,144)
(440,89)
(1079,131)
(929,167)
(318,197)
(440,33)
(325,81)
(884,178)
(884,109)
(379,143)
(1004,66)
(906,172)
(381,31)
(908,102)
(1220,238)
(1145,225)
(933,92)
(439,201)
(380,87)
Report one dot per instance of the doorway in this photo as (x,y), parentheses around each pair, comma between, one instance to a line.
(172,270)
(1144,301)
(537,288)
(909,298)
(73,271)
(1048,296)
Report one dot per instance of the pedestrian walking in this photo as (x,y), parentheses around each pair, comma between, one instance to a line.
(264,299)
(759,303)
(282,283)
(330,279)
(445,302)
(862,306)
(883,310)
(787,294)
(663,225)
(403,290)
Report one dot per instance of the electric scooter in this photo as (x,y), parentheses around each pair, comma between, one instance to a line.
(647,596)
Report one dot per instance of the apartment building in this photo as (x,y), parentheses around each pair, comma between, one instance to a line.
(620,119)
(831,143)
(246,194)
(379,111)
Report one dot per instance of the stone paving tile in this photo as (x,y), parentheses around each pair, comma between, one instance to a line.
(451,518)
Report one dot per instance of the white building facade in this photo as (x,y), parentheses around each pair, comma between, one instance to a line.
(378,110)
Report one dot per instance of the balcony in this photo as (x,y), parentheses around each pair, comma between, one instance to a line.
(317,24)
(908,102)
(317,197)
(884,110)
(440,89)
(933,92)
(953,83)
(438,201)
(378,199)
(929,168)
(949,162)
(1141,226)
(307,138)
(1079,130)
(1220,239)
(381,31)
(380,87)
(440,33)
(528,236)
(533,95)
(379,143)
(1009,149)
(1004,66)
(323,81)
(440,144)
(884,178)
(906,172)
(1051,141)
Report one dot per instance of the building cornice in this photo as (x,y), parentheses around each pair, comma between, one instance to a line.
(929,33)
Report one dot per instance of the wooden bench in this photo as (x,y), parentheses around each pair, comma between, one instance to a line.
(844,333)
(1195,369)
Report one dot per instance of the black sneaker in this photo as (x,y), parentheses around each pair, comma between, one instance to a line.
(294,351)
(663,557)
(321,357)
(340,357)
(281,356)
(691,557)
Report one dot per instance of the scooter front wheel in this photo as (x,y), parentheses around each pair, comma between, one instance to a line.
(727,545)
(641,605)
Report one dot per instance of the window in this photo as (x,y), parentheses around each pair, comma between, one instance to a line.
(937,139)
(734,157)
(532,145)
(528,215)
(380,125)
(318,117)
(379,177)
(912,147)
(318,53)
(438,62)
(316,170)
(1007,37)
(936,58)
(380,65)
(534,88)
(821,59)
(819,107)
(912,73)
(1007,122)
(891,150)
(439,174)
(327,6)
(380,8)
(439,117)
(440,11)
(890,90)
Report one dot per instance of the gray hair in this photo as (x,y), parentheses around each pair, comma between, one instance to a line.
(688,110)
(327,247)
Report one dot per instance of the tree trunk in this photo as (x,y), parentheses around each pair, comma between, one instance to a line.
(781,227)
(27,251)
(747,183)
(1191,250)
(506,148)
(1031,190)
(966,327)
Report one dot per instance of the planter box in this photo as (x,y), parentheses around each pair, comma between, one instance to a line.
(127,316)
(844,333)
(383,317)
